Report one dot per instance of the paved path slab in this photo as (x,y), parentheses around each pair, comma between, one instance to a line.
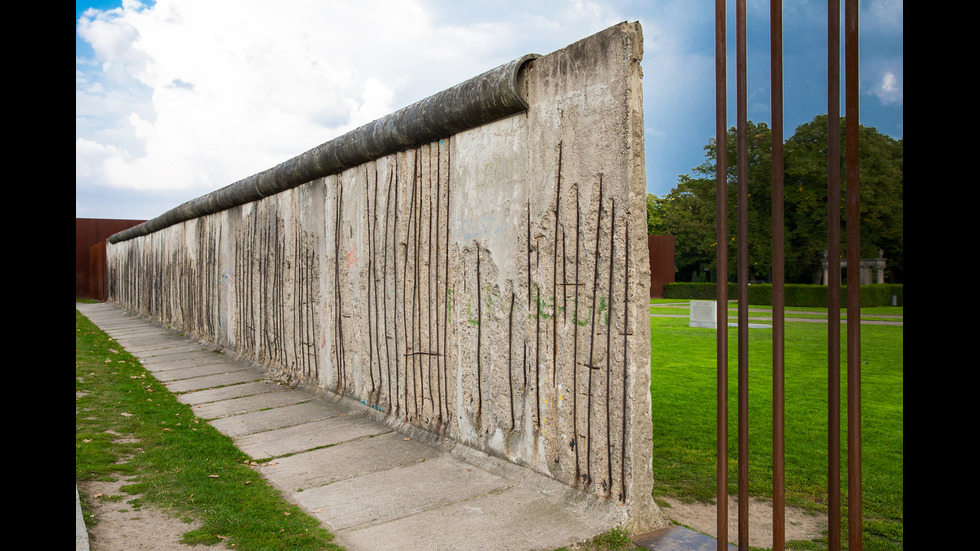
(320,467)
(193,371)
(212,381)
(234,405)
(309,436)
(224,393)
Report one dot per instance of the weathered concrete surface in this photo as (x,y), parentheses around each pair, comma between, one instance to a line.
(488,288)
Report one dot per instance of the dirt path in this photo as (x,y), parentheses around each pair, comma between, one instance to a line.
(122,528)
(800,525)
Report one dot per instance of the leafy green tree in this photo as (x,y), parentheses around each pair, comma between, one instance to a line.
(688,214)
(655,214)
(881,199)
(688,211)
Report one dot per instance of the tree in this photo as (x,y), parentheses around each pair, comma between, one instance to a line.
(881,198)
(690,218)
(688,211)
(655,214)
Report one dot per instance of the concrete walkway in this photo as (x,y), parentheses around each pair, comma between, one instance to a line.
(371,486)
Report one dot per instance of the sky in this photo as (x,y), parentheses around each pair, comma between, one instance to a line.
(177,98)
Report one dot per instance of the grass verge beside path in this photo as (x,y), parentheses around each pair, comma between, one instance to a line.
(129,426)
(684,413)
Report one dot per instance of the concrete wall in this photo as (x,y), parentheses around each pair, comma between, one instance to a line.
(489,287)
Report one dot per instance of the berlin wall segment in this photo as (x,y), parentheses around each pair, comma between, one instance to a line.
(489,286)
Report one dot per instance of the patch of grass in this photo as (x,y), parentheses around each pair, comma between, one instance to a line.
(616,539)
(684,414)
(129,426)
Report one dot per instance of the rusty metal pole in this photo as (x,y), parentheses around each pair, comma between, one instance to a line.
(851,98)
(778,277)
(721,265)
(742,209)
(833,272)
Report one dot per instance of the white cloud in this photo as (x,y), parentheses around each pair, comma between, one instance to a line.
(376,102)
(90,156)
(193,95)
(232,87)
(890,88)
(882,46)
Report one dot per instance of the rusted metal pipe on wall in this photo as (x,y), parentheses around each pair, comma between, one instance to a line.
(493,95)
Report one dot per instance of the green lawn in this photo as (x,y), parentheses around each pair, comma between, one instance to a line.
(129,426)
(683,389)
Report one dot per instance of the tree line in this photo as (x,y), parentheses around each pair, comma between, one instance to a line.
(688,211)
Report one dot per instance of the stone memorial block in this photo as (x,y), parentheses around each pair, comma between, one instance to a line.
(704,314)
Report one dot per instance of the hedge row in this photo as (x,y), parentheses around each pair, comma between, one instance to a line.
(796,294)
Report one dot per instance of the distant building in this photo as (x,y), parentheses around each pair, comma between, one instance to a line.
(89,233)
(661,263)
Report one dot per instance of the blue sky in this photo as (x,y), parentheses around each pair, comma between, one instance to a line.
(177,98)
